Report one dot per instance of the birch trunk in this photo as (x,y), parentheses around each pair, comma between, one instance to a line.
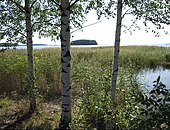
(110,126)
(30,55)
(116,50)
(65,61)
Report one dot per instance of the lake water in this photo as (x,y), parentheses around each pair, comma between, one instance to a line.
(147,76)
(41,46)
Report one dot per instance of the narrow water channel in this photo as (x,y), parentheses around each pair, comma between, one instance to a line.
(147,76)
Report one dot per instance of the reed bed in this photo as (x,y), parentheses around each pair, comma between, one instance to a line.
(90,78)
(13,64)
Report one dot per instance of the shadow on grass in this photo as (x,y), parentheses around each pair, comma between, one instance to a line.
(17,121)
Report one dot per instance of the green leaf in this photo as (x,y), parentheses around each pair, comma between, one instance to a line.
(159,100)
(158,79)
(152,91)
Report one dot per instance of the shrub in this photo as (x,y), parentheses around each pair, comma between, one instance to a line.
(93,110)
(156,107)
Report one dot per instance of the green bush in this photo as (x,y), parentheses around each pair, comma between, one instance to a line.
(156,108)
(93,110)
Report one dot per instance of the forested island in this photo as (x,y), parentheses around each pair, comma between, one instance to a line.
(84,42)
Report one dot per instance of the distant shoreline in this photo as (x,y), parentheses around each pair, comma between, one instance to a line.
(43,46)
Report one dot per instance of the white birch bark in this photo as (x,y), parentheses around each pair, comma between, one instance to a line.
(65,59)
(116,50)
(110,124)
(30,55)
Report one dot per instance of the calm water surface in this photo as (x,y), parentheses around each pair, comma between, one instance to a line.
(41,46)
(147,76)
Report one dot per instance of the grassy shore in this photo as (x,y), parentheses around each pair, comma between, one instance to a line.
(90,75)
(13,64)
(47,66)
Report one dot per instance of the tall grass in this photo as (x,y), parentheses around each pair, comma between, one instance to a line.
(85,62)
(13,74)
(90,79)
(143,56)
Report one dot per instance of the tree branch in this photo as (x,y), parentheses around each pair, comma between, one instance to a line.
(33,3)
(3,10)
(16,30)
(56,3)
(44,22)
(71,5)
(87,26)
(126,13)
(19,6)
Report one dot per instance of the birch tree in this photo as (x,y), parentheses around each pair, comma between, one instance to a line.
(110,126)
(72,13)
(13,15)
(156,12)
(65,7)
(30,54)
(116,49)
(65,59)
(19,20)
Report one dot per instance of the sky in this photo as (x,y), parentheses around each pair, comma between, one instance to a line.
(104,33)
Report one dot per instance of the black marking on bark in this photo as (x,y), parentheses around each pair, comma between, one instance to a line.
(118,41)
(62,82)
(64,14)
(119,24)
(62,39)
(68,7)
(62,23)
(64,95)
(60,35)
(114,56)
(65,104)
(116,70)
(67,54)
(66,111)
(69,65)
(62,60)
(64,71)
(68,29)
(68,89)
(62,45)
(63,107)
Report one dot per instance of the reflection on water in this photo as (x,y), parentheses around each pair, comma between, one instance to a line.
(147,76)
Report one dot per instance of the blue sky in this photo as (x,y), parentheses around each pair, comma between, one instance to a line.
(104,33)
